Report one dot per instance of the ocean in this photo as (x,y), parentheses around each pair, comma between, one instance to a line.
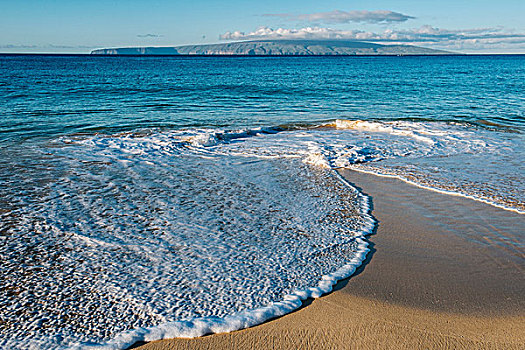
(151,197)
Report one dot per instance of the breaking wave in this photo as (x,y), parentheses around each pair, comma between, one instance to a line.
(149,235)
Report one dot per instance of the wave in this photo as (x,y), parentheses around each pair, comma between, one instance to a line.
(327,145)
(143,209)
(375,147)
(430,140)
(148,229)
(209,325)
(384,148)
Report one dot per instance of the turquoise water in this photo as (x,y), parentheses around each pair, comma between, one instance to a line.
(47,96)
(168,196)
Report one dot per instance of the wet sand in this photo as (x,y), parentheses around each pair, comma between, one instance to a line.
(444,272)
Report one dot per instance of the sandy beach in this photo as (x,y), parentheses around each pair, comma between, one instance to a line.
(445,272)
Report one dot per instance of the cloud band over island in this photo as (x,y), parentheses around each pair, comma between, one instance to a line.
(481,37)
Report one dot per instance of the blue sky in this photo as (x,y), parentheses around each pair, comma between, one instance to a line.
(79,26)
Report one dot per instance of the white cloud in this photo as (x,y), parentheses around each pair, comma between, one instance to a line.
(338,16)
(479,38)
(282,33)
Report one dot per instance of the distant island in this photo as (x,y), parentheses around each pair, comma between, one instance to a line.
(278,48)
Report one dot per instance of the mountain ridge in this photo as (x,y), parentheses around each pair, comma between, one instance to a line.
(282,47)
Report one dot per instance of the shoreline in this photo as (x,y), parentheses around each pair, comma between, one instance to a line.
(465,255)
(438,190)
(441,274)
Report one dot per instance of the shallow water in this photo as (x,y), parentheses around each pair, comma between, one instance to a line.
(142,192)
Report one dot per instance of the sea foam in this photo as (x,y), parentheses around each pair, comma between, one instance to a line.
(178,233)
(209,325)
(144,236)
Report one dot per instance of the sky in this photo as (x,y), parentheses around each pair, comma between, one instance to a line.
(79,26)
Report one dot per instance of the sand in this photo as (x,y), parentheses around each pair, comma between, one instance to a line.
(445,272)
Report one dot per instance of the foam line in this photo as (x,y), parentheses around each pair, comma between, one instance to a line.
(450,193)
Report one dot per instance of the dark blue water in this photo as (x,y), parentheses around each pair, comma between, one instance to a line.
(137,191)
(43,96)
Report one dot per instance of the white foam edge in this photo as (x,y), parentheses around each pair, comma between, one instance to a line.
(245,319)
(434,189)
